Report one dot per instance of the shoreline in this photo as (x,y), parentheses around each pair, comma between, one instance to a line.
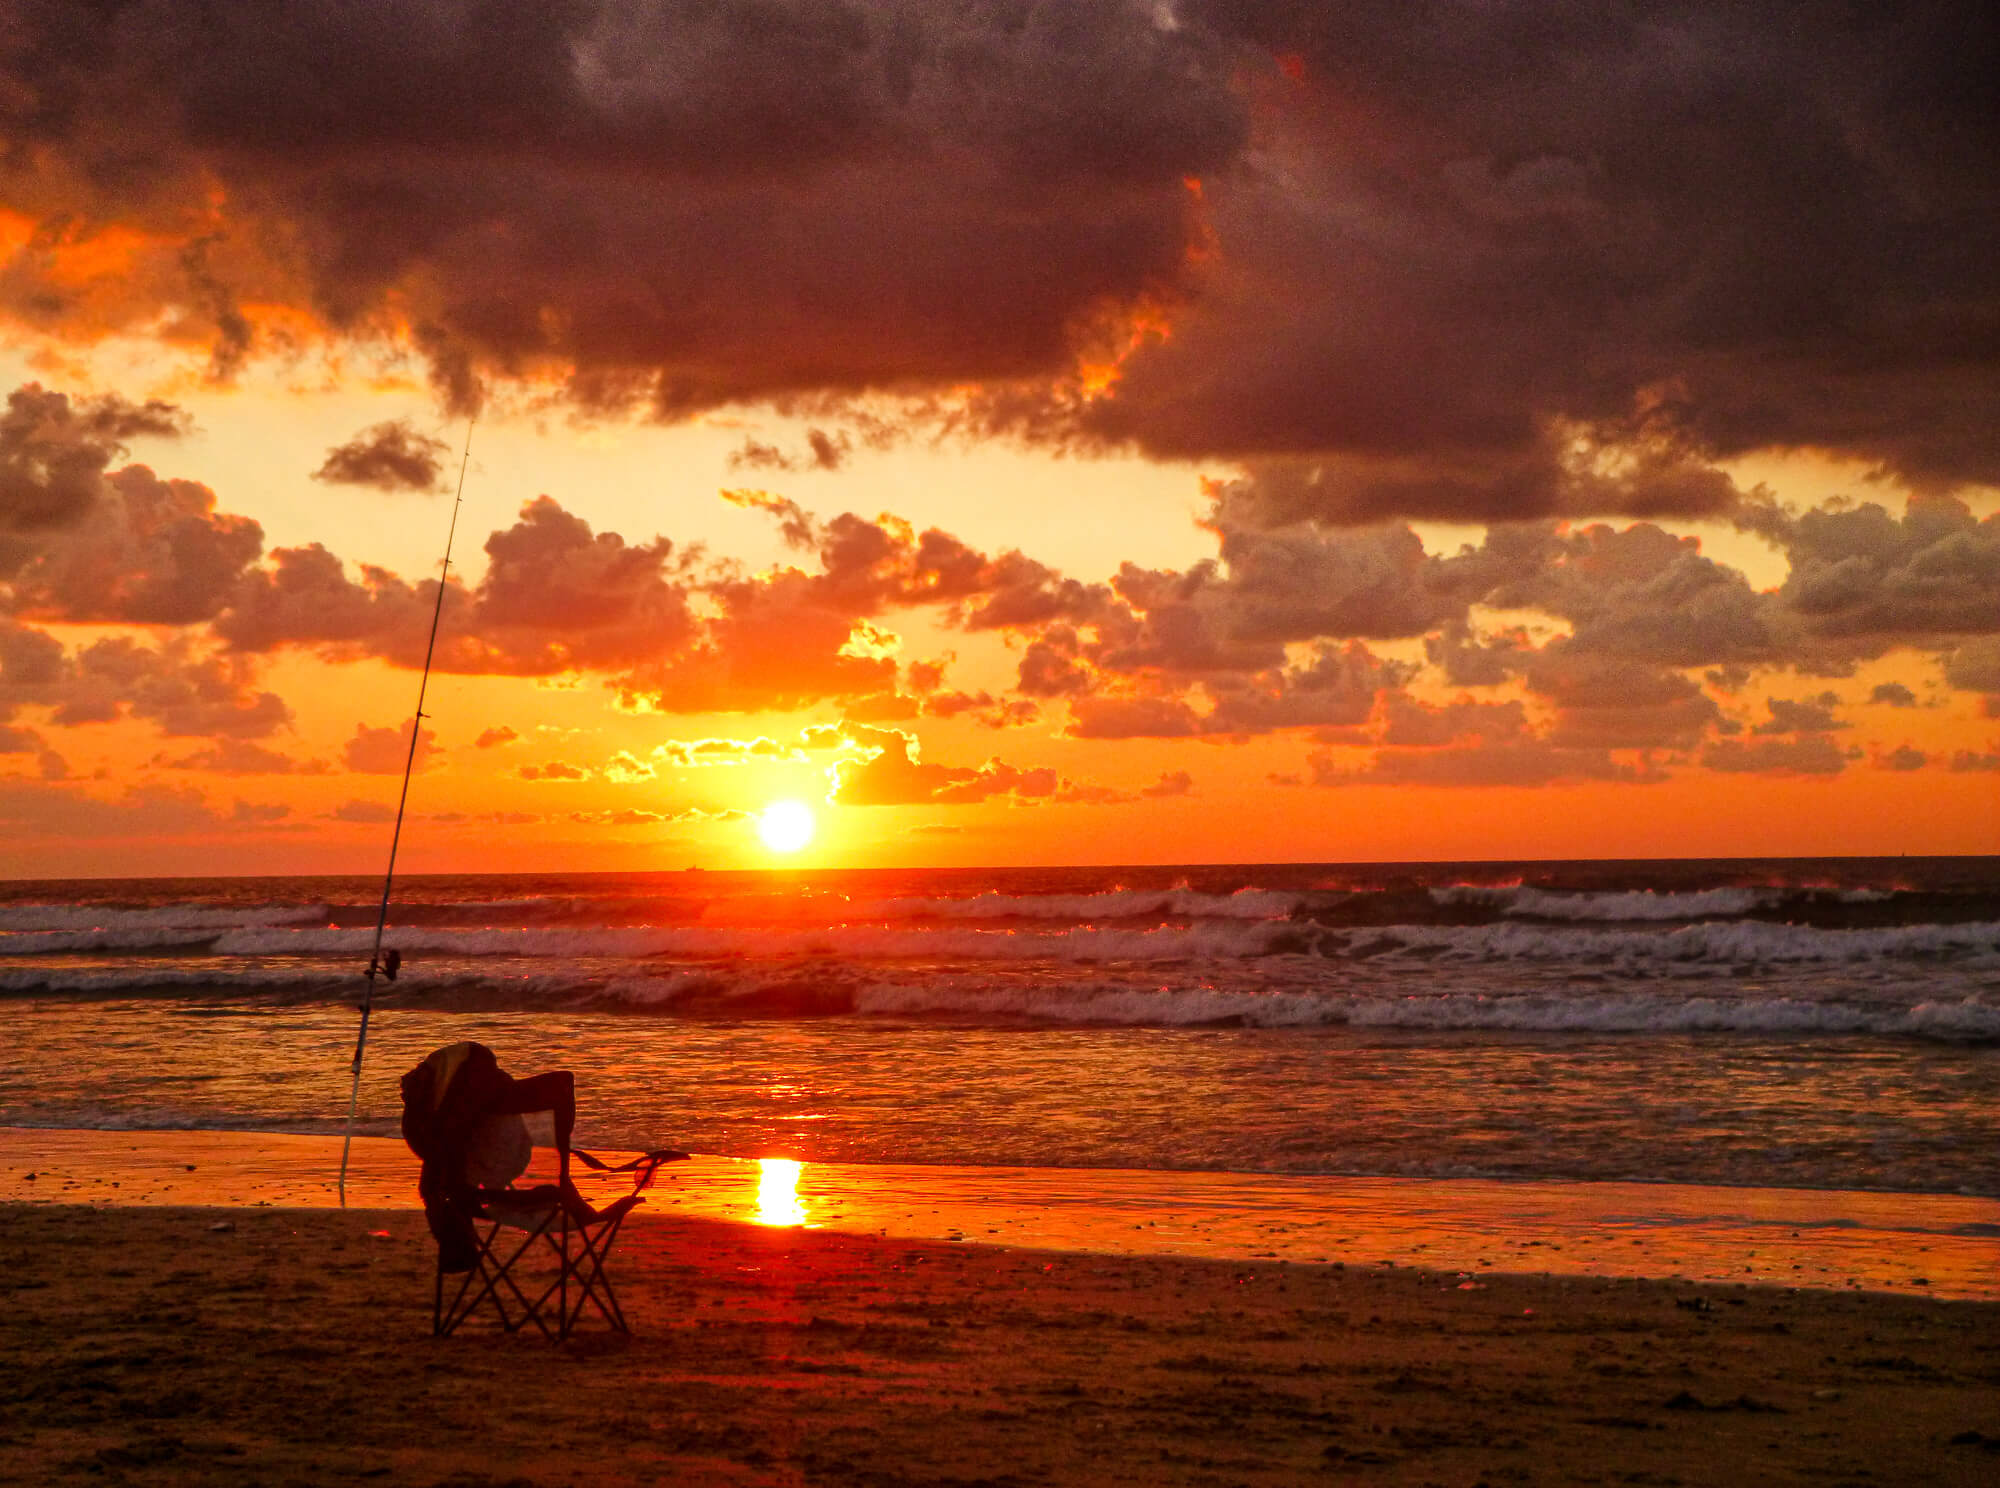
(1940,1246)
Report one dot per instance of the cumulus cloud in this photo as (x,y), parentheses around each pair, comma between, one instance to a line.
(695,753)
(241,757)
(1489,269)
(1525,763)
(889,772)
(54,452)
(389,456)
(66,812)
(492,738)
(386,751)
(1807,754)
(593,187)
(558,770)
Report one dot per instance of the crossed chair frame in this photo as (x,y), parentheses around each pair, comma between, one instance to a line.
(580,1244)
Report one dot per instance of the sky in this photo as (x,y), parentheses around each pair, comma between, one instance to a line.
(1025,433)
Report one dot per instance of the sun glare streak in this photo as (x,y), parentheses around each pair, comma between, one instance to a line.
(778,1192)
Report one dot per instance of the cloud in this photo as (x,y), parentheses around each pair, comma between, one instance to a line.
(626,768)
(696,753)
(1170,784)
(1864,576)
(1975,667)
(592,188)
(554,770)
(386,751)
(889,773)
(240,757)
(1532,762)
(494,737)
(1807,716)
(1905,757)
(1966,761)
(1893,695)
(388,456)
(823,451)
(81,543)
(1447,262)
(54,453)
(363,813)
(180,688)
(65,812)
(1807,754)
(1490,269)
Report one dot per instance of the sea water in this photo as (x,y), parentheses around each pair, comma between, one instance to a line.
(1807,1024)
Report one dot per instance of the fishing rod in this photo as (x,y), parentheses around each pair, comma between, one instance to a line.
(377,965)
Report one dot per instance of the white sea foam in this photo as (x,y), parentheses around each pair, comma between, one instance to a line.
(1215,938)
(1114,904)
(1657,1014)
(1615,1013)
(1721,941)
(1630,904)
(167,918)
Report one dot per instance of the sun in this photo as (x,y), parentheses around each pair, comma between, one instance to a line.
(786,826)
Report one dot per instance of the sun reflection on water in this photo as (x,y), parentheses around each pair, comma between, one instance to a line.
(778,1192)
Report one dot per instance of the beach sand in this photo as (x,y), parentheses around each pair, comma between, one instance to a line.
(152,1343)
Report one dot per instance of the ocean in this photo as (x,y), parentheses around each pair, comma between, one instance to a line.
(1827,1024)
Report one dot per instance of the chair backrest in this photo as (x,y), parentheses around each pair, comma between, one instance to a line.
(498,1151)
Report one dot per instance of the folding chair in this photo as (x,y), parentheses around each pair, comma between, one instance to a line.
(551,1221)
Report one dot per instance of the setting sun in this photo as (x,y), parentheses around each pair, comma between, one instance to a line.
(786,826)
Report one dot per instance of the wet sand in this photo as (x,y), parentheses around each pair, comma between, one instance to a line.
(149,1343)
(1938,1245)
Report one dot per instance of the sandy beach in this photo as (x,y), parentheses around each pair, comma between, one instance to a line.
(154,1343)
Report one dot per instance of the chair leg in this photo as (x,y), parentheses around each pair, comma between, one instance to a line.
(492,1273)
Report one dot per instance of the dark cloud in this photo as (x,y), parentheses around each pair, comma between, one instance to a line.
(1812,715)
(181,688)
(1805,754)
(1893,695)
(65,813)
(680,203)
(54,453)
(386,751)
(1903,758)
(823,451)
(494,737)
(390,457)
(1527,763)
(554,770)
(1686,233)
(152,552)
(1975,667)
(1514,260)
(241,757)
(1863,577)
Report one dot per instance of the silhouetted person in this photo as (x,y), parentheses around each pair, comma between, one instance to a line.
(455,1109)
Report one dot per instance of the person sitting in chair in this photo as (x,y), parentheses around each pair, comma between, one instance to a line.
(462,1116)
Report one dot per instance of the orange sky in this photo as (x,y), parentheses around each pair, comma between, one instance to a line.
(1319,458)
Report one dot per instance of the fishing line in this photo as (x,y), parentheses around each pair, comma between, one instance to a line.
(376,965)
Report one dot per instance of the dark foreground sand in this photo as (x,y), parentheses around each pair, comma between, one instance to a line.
(157,1345)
